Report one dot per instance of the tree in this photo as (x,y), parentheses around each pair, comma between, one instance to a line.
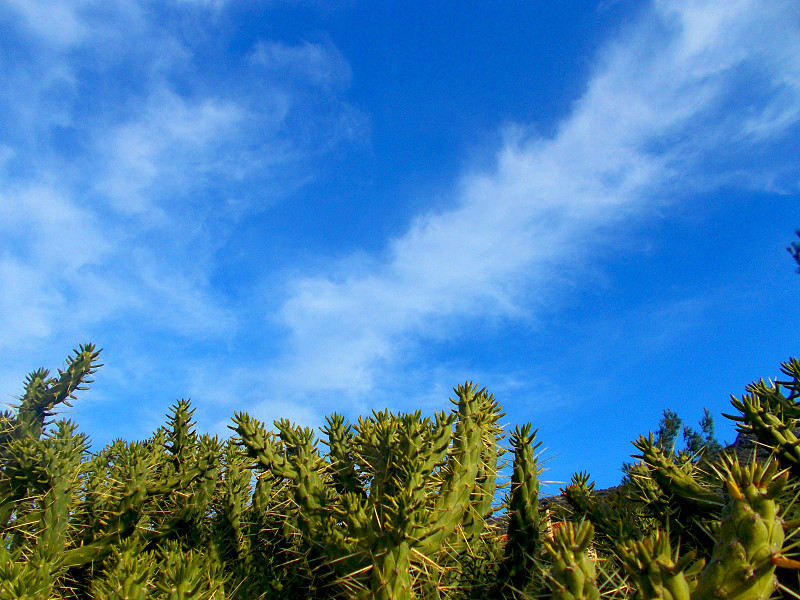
(703,440)
(668,429)
(794,250)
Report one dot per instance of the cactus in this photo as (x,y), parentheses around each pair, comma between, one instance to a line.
(657,572)
(690,498)
(772,416)
(524,520)
(189,575)
(130,577)
(750,536)
(573,575)
(395,510)
(423,481)
(678,477)
(614,519)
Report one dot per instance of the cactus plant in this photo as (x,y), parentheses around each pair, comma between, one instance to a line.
(657,572)
(422,479)
(397,509)
(772,416)
(524,519)
(750,536)
(573,575)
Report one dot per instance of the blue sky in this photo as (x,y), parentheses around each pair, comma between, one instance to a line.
(294,208)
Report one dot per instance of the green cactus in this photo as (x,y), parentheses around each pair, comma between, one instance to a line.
(399,487)
(613,518)
(750,536)
(19,433)
(189,575)
(573,575)
(395,510)
(342,459)
(772,416)
(657,572)
(678,478)
(22,579)
(43,393)
(524,520)
(130,578)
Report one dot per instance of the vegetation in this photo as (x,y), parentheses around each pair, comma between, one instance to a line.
(398,507)
(794,250)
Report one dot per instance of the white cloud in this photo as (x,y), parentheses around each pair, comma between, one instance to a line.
(114,199)
(662,98)
(48,242)
(173,144)
(320,65)
(56,21)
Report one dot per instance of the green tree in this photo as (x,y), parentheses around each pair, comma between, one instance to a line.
(668,429)
(703,440)
(794,250)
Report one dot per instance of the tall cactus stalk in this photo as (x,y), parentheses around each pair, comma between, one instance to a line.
(524,520)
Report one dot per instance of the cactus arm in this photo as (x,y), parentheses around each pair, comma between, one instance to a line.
(180,437)
(768,421)
(676,480)
(391,577)
(573,574)
(205,464)
(604,516)
(129,579)
(751,535)
(258,445)
(772,416)
(232,504)
(42,394)
(22,579)
(579,494)
(458,485)
(657,572)
(436,441)
(343,464)
(61,461)
(480,509)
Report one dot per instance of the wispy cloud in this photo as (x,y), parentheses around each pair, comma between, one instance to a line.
(124,165)
(664,97)
(127,162)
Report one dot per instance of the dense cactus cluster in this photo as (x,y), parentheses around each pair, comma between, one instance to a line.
(391,507)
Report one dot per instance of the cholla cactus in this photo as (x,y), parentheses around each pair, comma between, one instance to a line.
(657,572)
(399,488)
(772,416)
(750,537)
(395,510)
(573,575)
(517,568)
(614,523)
